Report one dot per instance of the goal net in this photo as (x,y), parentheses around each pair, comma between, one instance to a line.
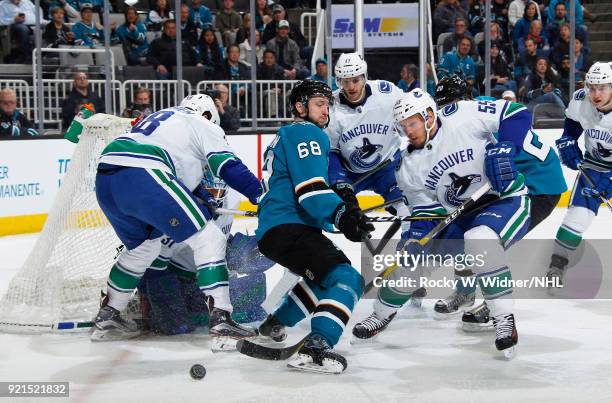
(59,285)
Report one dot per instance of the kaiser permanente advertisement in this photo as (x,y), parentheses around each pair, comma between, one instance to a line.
(386,26)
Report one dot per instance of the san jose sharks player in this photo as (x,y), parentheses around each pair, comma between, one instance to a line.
(362,134)
(144,186)
(450,156)
(590,114)
(292,214)
(541,169)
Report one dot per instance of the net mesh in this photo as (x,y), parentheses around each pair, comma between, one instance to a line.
(68,266)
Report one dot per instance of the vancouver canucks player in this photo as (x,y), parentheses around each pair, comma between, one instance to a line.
(292,214)
(144,186)
(589,113)
(541,168)
(362,134)
(450,157)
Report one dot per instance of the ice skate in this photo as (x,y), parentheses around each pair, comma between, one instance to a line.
(555,273)
(370,327)
(109,326)
(506,336)
(316,355)
(452,305)
(224,331)
(477,319)
(271,330)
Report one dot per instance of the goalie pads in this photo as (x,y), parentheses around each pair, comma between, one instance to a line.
(243,255)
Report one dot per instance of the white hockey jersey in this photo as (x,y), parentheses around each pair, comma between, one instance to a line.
(597,129)
(365,136)
(174,140)
(439,177)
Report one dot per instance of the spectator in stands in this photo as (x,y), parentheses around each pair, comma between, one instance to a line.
(562,46)
(70,8)
(141,106)
(287,52)
(245,28)
(81,94)
(133,36)
(162,54)
(211,55)
(13,123)
(583,60)
(189,30)
(553,26)
(321,73)
(578,7)
(158,15)
(409,78)
(501,76)
(245,49)
(450,43)
(229,116)
(459,62)
(56,32)
(19,15)
(509,95)
(234,70)
(279,14)
(201,15)
(227,22)
(542,86)
(445,14)
(521,29)
(516,9)
(499,13)
(87,32)
(263,14)
(537,35)
(498,39)
(270,70)
(527,60)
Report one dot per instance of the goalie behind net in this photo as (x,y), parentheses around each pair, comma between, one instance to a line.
(59,284)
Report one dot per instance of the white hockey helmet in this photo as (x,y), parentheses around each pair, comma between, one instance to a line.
(350,65)
(202,103)
(413,102)
(599,73)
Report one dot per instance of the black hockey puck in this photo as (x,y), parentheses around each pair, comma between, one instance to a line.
(197,371)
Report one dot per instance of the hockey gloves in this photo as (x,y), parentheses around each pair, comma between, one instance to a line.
(602,182)
(346,192)
(569,152)
(500,167)
(349,219)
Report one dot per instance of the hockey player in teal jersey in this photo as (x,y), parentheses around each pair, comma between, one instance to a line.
(541,169)
(296,208)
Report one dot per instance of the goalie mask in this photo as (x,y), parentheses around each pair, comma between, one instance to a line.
(215,186)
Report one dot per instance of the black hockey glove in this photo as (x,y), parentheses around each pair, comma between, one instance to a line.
(346,192)
(349,219)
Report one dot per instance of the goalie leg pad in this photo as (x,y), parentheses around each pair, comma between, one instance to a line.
(243,255)
(247,294)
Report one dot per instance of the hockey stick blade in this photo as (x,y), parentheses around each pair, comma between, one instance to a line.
(261,352)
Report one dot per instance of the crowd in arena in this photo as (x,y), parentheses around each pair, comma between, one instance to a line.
(529,46)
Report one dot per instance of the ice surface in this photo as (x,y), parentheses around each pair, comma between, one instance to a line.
(565,354)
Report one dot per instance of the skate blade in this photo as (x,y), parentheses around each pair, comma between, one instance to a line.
(304,363)
(509,353)
(222,344)
(112,335)
(476,328)
(357,341)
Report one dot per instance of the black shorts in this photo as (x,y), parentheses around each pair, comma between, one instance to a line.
(302,249)
(541,207)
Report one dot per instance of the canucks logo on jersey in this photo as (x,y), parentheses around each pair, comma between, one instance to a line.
(458,187)
(602,152)
(367,156)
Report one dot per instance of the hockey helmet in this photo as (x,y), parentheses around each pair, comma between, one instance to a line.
(599,73)
(451,89)
(350,65)
(414,102)
(215,186)
(304,90)
(202,104)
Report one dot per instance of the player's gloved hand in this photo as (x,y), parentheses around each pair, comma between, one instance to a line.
(207,199)
(500,167)
(352,222)
(602,182)
(569,152)
(403,239)
(346,192)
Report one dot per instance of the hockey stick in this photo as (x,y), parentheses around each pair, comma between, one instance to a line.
(262,352)
(227,211)
(387,236)
(592,184)
(372,172)
(405,218)
(382,205)
(465,207)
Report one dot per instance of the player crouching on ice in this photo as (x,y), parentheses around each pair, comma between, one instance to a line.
(588,113)
(449,158)
(144,186)
(292,214)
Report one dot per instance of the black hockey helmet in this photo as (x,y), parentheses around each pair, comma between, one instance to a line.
(451,89)
(304,90)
